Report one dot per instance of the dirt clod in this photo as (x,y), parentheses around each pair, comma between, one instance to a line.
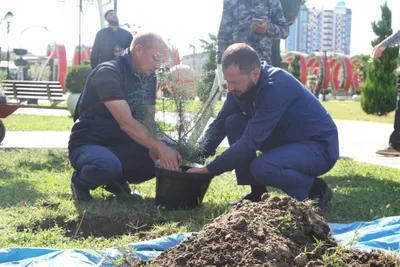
(301,260)
(274,232)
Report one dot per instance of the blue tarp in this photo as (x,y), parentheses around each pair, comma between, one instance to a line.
(379,234)
(383,234)
(24,257)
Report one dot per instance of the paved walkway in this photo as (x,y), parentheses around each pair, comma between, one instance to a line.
(358,140)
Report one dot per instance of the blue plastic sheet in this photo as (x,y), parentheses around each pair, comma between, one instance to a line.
(25,257)
(379,234)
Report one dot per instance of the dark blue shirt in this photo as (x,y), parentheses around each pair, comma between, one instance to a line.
(281,111)
(108,44)
(113,80)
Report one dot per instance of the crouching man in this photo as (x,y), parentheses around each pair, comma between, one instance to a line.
(109,144)
(268,110)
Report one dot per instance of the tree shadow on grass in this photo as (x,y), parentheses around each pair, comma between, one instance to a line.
(56,161)
(5,174)
(142,217)
(18,192)
(362,198)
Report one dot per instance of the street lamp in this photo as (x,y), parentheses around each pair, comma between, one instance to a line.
(8,17)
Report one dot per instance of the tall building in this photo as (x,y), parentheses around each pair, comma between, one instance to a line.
(195,62)
(321,30)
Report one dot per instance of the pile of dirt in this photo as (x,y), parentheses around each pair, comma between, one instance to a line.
(274,232)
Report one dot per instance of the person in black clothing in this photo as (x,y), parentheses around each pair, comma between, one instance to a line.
(110,144)
(394,140)
(110,42)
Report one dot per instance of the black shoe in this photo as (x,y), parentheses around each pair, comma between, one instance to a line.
(118,188)
(121,190)
(321,194)
(253,196)
(79,193)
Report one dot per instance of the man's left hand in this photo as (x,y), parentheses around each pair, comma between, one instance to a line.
(260,28)
(198,170)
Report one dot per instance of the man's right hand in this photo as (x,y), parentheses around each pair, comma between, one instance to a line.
(378,50)
(169,157)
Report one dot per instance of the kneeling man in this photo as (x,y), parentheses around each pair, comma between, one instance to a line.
(109,143)
(270,111)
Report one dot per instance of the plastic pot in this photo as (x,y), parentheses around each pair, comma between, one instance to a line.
(181,190)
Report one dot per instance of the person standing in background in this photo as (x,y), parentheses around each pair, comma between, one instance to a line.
(110,42)
(254,22)
(394,140)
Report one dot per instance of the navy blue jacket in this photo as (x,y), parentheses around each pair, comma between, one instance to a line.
(95,124)
(281,111)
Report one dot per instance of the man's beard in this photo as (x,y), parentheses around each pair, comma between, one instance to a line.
(246,94)
(113,22)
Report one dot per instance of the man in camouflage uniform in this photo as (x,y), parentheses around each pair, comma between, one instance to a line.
(236,26)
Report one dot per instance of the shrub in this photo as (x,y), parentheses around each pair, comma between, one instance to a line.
(294,67)
(379,90)
(76,78)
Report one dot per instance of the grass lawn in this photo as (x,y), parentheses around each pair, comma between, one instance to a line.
(22,122)
(37,210)
(343,110)
(351,110)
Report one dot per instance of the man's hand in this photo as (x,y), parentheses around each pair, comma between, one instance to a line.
(153,155)
(169,157)
(260,28)
(378,50)
(198,170)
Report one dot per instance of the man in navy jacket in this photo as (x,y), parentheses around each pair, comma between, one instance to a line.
(268,110)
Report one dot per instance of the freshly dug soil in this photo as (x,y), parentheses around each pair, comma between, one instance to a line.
(274,232)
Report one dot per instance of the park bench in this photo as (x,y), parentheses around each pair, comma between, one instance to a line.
(34,90)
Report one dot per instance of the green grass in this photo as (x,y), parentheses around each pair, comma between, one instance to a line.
(22,122)
(37,210)
(351,110)
(343,110)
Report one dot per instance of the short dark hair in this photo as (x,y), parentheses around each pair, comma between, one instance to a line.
(241,55)
(147,39)
(108,12)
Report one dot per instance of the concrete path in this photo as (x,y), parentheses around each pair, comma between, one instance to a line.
(358,140)
(35,140)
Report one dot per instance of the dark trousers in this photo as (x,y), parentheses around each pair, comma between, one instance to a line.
(292,168)
(394,140)
(98,165)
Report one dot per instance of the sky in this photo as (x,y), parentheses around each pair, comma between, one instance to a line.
(184,22)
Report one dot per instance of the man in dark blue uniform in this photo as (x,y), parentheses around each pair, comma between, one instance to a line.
(268,110)
(109,143)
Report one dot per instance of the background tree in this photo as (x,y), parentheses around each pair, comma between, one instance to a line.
(205,83)
(379,93)
(362,66)
(294,67)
